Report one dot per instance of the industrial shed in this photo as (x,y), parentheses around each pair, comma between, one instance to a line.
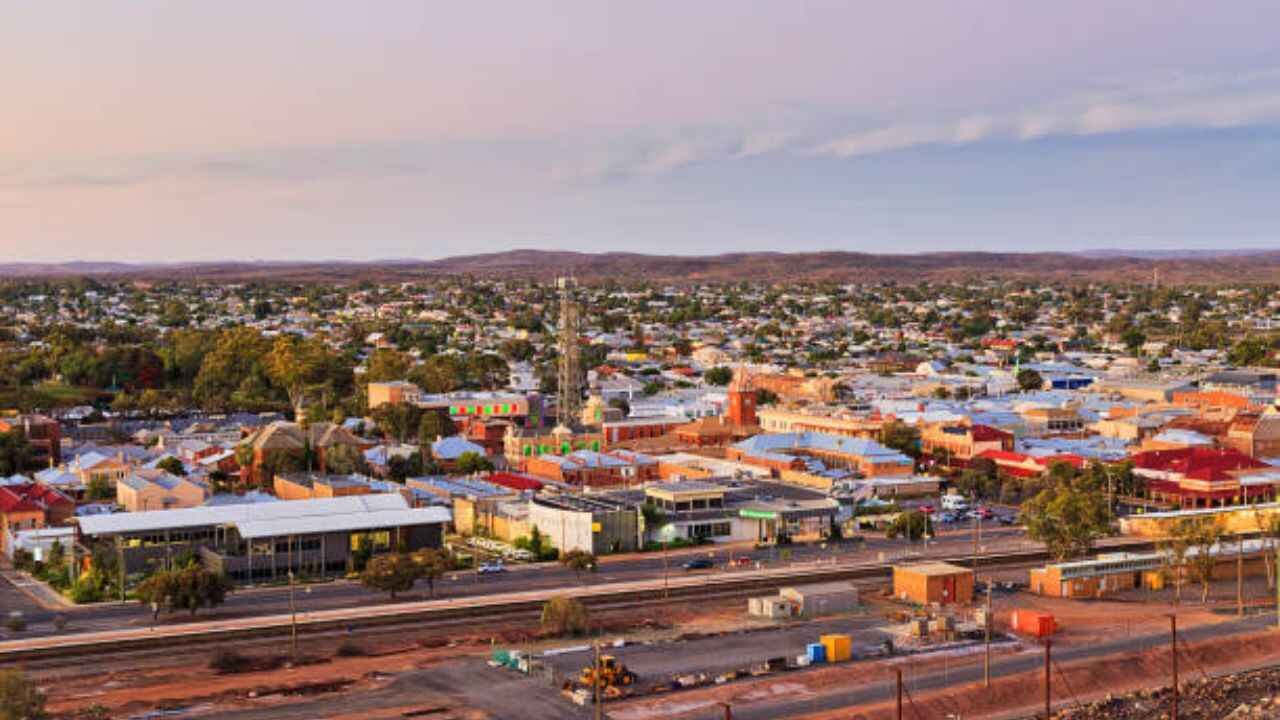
(935,582)
(821,598)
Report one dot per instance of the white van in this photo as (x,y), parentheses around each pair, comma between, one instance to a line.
(954,503)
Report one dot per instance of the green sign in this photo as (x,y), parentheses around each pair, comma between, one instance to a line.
(758,514)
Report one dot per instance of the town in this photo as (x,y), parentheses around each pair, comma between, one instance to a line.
(742,494)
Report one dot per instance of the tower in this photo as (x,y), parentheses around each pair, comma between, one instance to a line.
(741,408)
(569,377)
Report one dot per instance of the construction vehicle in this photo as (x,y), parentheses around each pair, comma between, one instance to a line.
(609,672)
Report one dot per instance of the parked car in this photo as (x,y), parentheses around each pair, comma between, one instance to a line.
(1007,519)
(699,564)
(490,568)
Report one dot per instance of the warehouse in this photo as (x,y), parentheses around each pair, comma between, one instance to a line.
(936,582)
(821,598)
(261,541)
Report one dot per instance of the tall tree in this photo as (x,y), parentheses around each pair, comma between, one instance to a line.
(1067,519)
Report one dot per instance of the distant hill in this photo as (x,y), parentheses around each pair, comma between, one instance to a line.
(1139,266)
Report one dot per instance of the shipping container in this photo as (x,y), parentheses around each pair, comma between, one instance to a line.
(839,647)
(817,652)
(1035,624)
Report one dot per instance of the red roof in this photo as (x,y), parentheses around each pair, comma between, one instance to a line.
(1199,463)
(30,497)
(514,481)
(1005,456)
(983,433)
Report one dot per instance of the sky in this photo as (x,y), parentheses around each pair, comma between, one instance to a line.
(163,131)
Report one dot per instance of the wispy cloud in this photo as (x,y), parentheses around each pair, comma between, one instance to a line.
(1206,102)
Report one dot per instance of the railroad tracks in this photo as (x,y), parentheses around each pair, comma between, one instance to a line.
(527,604)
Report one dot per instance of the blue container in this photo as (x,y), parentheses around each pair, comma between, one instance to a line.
(817,652)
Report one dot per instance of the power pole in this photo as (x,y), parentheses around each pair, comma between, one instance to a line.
(1173,634)
(1240,575)
(986,662)
(728,710)
(898,670)
(595,681)
(1277,586)
(293,622)
(1048,692)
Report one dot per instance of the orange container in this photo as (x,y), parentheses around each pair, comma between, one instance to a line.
(1035,624)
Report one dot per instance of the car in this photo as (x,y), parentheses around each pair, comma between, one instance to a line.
(926,509)
(1007,520)
(948,517)
(699,564)
(984,513)
(491,568)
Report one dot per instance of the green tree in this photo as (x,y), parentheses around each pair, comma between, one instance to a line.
(398,421)
(1067,519)
(385,365)
(295,365)
(1029,380)
(20,698)
(718,376)
(188,588)
(391,573)
(1251,350)
(15,453)
(172,465)
(435,423)
(432,564)
(901,437)
(1203,536)
(232,369)
(579,561)
(911,524)
(473,462)
(99,489)
(345,460)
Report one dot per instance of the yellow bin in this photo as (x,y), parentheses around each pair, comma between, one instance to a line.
(839,647)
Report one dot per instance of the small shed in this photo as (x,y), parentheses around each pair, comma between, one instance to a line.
(822,598)
(935,582)
(770,606)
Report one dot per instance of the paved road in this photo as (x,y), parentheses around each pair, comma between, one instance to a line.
(342,594)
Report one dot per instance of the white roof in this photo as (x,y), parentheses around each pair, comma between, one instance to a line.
(296,517)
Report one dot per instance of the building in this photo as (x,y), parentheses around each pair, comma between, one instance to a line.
(311,486)
(618,432)
(780,420)
(693,510)
(147,489)
(588,468)
(935,582)
(799,451)
(821,598)
(30,506)
(1111,573)
(1023,465)
(285,446)
(519,444)
(1256,435)
(1042,420)
(43,434)
(958,445)
(595,525)
(1198,477)
(395,392)
(265,541)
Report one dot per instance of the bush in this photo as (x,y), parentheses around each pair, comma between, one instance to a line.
(350,649)
(15,622)
(564,616)
(229,661)
(19,697)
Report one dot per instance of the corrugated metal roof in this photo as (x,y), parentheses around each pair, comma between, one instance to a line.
(296,516)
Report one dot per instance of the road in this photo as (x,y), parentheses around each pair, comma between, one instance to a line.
(249,602)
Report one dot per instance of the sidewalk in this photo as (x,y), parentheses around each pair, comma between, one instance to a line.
(40,593)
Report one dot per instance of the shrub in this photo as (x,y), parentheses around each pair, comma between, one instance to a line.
(350,649)
(564,616)
(229,661)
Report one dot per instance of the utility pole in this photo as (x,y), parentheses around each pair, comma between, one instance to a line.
(1240,575)
(595,681)
(666,593)
(898,670)
(986,662)
(1048,692)
(1173,634)
(293,622)
(728,710)
(1277,576)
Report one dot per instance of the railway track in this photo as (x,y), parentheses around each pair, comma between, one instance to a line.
(443,613)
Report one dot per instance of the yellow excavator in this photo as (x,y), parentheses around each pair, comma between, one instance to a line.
(610,671)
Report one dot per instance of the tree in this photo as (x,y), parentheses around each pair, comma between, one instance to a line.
(391,573)
(719,375)
(1029,380)
(1067,519)
(579,561)
(431,565)
(99,489)
(398,421)
(172,465)
(901,437)
(386,364)
(232,368)
(434,424)
(20,699)
(564,616)
(345,460)
(912,525)
(1203,536)
(473,462)
(15,453)
(295,364)
(189,588)
(1251,350)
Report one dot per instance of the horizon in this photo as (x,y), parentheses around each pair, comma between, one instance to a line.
(326,132)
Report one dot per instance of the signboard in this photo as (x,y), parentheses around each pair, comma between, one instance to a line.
(758,514)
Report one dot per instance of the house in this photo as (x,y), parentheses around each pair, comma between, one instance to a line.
(1256,435)
(31,506)
(1201,477)
(958,445)
(151,489)
(283,446)
(795,451)
(449,450)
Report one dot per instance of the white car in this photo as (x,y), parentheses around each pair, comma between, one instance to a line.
(491,567)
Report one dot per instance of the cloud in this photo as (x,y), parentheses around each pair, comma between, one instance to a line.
(1189,102)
